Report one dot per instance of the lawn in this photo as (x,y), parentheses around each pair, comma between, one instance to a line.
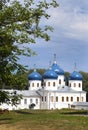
(65,119)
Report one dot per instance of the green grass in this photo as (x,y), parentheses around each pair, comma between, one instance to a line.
(65,119)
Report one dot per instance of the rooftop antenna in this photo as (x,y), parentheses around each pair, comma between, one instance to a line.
(34,67)
(55,58)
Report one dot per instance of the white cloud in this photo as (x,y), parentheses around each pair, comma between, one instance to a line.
(70,21)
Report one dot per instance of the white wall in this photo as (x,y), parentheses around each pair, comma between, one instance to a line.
(77,82)
(35,82)
(51,87)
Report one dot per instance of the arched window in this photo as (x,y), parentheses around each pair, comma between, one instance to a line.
(48,83)
(54,84)
(79,85)
(25,101)
(74,84)
(77,99)
(59,81)
(37,84)
(56,99)
(62,99)
(67,99)
(36,101)
(31,100)
(32,84)
(71,99)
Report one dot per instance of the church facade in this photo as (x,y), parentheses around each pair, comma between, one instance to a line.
(49,91)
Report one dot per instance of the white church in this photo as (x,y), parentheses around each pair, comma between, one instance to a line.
(49,91)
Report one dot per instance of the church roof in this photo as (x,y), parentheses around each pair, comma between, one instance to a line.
(75,76)
(50,74)
(57,69)
(34,76)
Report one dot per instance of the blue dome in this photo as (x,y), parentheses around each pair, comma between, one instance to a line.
(34,76)
(75,76)
(57,69)
(50,74)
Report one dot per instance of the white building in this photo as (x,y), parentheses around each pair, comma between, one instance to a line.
(53,94)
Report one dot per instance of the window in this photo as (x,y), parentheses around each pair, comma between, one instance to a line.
(48,83)
(74,84)
(51,98)
(36,101)
(45,98)
(37,84)
(30,100)
(71,99)
(79,85)
(62,99)
(59,81)
(56,99)
(77,99)
(67,99)
(25,101)
(53,83)
(32,84)
(42,99)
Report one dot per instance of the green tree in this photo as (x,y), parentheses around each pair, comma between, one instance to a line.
(20,25)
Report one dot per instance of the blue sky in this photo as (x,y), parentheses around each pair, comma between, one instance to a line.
(69,39)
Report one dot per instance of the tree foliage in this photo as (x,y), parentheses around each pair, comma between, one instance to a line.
(20,25)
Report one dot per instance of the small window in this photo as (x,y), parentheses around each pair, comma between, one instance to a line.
(45,98)
(56,99)
(32,84)
(30,100)
(77,99)
(25,101)
(48,83)
(74,84)
(62,99)
(59,81)
(37,84)
(67,99)
(71,99)
(53,83)
(79,85)
(36,101)
(42,99)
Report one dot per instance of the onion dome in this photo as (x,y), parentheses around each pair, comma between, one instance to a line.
(75,76)
(56,68)
(50,74)
(34,76)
